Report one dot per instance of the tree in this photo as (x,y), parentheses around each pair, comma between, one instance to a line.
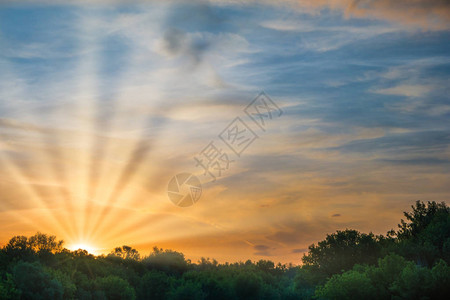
(116,288)
(421,216)
(171,262)
(349,285)
(126,252)
(340,251)
(425,236)
(18,247)
(248,285)
(393,278)
(441,280)
(8,289)
(41,242)
(155,285)
(188,290)
(34,283)
(23,247)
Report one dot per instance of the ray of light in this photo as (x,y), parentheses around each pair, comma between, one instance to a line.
(19,177)
(140,153)
(86,85)
(18,171)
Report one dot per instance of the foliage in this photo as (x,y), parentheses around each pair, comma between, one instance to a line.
(411,263)
(126,252)
(341,250)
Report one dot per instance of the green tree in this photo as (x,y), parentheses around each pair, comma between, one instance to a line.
(34,283)
(8,289)
(188,290)
(155,285)
(349,285)
(340,251)
(116,288)
(425,235)
(169,261)
(441,280)
(248,285)
(421,216)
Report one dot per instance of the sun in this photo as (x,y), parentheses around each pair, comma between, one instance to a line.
(83,246)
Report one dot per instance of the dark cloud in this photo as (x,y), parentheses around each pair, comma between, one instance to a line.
(187,27)
(336,215)
(195,15)
(179,43)
(424,161)
(428,14)
(300,250)
(295,232)
(262,250)
(424,142)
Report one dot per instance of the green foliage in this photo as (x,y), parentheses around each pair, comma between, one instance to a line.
(155,285)
(35,283)
(412,263)
(420,218)
(441,279)
(340,251)
(166,260)
(349,285)
(187,290)
(306,280)
(425,236)
(248,286)
(393,278)
(69,288)
(126,252)
(8,289)
(116,288)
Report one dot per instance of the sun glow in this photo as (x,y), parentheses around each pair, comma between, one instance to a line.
(83,246)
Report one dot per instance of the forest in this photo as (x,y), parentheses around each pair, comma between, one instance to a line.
(411,262)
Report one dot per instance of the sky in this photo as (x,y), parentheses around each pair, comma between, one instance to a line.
(102,104)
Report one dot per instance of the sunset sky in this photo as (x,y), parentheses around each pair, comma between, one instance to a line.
(101,105)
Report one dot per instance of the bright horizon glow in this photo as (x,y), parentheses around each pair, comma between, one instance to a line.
(83,246)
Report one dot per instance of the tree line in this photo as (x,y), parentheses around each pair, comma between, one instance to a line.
(411,262)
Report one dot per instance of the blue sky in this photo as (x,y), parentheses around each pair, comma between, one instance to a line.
(101,105)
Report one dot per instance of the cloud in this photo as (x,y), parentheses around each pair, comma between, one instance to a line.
(406,90)
(425,14)
(300,250)
(262,250)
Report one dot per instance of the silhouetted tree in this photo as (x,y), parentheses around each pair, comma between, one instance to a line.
(126,252)
(340,251)
(425,236)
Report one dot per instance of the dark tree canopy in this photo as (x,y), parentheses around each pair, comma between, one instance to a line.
(341,250)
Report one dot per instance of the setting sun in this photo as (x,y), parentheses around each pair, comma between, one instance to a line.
(89,248)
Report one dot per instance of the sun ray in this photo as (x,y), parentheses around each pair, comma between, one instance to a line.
(140,154)
(18,171)
(86,84)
